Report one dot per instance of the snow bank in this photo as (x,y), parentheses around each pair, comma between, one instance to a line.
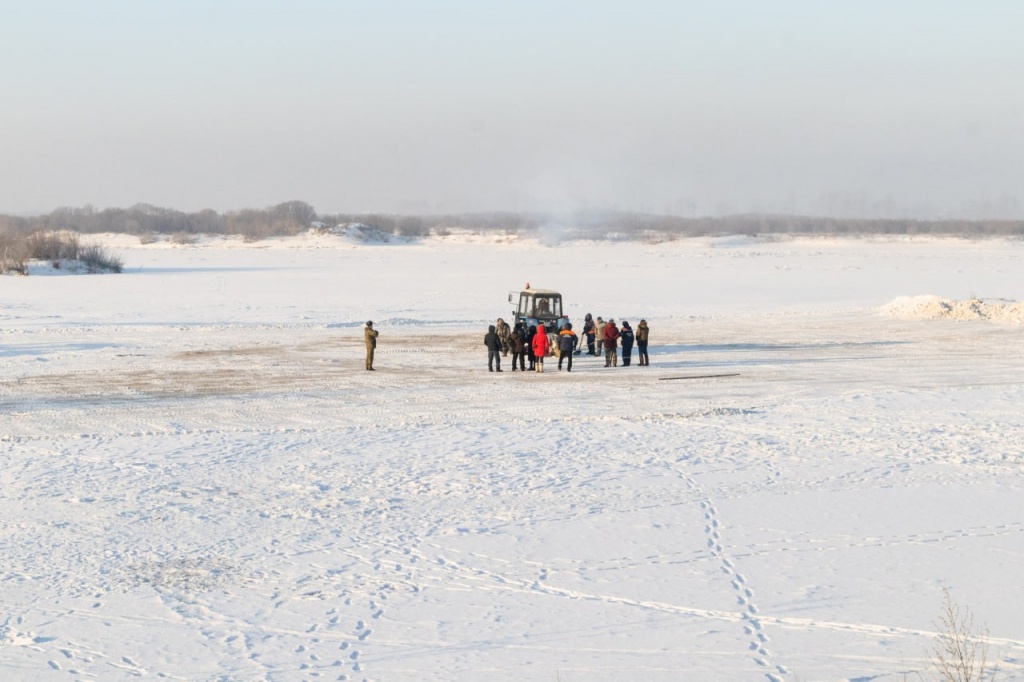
(65,266)
(359,232)
(937,308)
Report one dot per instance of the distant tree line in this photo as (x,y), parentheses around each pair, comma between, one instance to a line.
(288,218)
(293,217)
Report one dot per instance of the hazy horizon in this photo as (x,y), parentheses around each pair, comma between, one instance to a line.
(848,109)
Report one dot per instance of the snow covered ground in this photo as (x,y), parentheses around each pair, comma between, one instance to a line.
(200,482)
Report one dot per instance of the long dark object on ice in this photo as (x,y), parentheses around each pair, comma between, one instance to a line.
(699,376)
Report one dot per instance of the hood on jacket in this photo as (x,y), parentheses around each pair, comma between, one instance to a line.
(540,329)
(588,318)
(491,329)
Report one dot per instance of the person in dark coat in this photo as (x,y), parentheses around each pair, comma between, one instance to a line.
(642,334)
(519,347)
(626,339)
(493,344)
(566,342)
(529,346)
(589,332)
(611,340)
(370,336)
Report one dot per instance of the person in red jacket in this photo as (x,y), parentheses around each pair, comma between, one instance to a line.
(540,347)
(611,342)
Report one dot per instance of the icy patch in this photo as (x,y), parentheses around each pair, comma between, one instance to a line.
(937,308)
(733,241)
(406,322)
(365,234)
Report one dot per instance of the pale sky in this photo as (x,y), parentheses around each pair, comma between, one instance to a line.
(862,108)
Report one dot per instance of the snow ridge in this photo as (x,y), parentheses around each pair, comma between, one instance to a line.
(937,308)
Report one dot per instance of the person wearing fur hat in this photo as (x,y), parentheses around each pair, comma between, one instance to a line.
(504,335)
(370,334)
(642,334)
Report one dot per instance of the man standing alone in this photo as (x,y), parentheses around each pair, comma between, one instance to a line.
(371,343)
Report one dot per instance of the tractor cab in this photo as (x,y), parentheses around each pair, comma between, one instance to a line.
(538,306)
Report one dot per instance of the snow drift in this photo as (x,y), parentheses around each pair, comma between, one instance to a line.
(938,308)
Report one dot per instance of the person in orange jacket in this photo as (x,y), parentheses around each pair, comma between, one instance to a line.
(540,347)
(566,344)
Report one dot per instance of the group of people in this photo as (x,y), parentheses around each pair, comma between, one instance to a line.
(608,336)
(533,343)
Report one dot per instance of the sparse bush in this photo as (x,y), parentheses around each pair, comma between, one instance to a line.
(961,652)
(12,254)
(149,238)
(412,226)
(53,246)
(56,247)
(182,238)
(98,258)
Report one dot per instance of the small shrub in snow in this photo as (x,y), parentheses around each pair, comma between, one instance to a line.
(961,652)
(149,238)
(182,238)
(98,259)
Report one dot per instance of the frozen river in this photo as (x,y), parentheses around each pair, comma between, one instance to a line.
(200,482)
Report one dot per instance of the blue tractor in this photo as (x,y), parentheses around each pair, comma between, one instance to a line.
(539,307)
